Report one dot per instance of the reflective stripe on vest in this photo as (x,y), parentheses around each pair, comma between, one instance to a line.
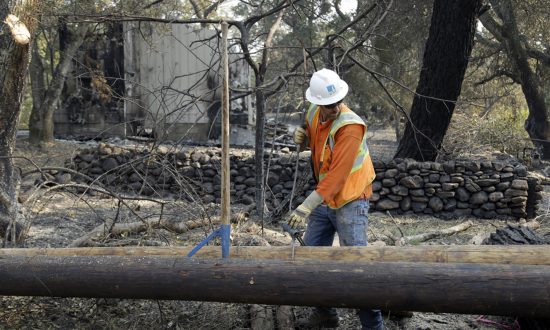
(344,118)
(311,113)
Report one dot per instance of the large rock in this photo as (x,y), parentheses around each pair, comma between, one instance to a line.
(376,186)
(514,192)
(487,182)
(272,179)
(479,198)
(109,164)
(400,190)
(405,204)
(496,196)
(412,182)
(471,186)
(520,184)
(462,194)
(445,194)
(250,182)
(419,207)
(386,204)
(436,204)
(391,173)
(390,182)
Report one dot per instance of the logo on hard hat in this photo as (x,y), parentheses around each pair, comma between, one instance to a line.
(331,89)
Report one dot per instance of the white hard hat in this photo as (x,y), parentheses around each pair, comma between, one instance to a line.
(326,87)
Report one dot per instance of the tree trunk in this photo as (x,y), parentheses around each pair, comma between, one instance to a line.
(448,49)
(537,123)
(516,290)
(259,146)
(14,64)
(45,132)
(36,73)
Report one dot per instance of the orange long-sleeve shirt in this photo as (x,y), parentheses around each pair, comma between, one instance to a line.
(346,144)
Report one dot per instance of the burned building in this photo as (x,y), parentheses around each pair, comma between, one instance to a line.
(160,80)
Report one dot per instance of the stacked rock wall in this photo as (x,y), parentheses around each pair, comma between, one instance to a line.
(455,189)
(449,190)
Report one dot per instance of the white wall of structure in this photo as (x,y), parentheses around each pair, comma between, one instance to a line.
(171,74)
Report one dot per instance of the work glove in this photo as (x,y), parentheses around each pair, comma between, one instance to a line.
(301,213)
(299,135)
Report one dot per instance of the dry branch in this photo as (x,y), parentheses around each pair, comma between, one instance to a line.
(139,226)
(434,234)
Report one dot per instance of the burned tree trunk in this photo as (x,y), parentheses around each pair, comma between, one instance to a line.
(15,54)
(38,87)
(537,123)
(43,130)
(448,49)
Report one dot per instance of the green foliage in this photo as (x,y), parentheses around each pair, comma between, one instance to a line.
(501,130)
(504,131)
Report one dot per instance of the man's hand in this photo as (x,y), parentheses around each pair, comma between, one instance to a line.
(299,135)
(301,213)
(298,217)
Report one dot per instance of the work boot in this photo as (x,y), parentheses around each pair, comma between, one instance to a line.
(319,319)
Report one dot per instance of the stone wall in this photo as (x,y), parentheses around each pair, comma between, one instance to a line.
(455,189)
(449,190)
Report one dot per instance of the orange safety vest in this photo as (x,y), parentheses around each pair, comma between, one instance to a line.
(362,173)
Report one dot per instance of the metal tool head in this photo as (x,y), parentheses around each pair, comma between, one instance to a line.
(294,233)
(289,229)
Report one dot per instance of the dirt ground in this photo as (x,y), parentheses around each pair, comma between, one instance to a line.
(57,219)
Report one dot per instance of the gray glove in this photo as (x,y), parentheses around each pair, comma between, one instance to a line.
(299,216)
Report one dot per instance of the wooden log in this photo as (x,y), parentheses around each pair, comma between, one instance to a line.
(521,255)
(519,290)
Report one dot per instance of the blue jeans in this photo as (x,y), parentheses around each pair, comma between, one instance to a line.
(350,222)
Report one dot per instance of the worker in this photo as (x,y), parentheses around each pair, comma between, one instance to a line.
(344,174)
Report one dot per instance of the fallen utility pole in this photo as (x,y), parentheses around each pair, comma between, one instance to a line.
(519,290)
(511,254)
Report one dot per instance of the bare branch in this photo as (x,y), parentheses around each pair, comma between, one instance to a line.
(196,8)
(88,18)
(212,8)
(492,25)
(327,42)
(539,55)
(339,11)
(254,19)
(156,2)
(269,38)
(487,42)
(498,74)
